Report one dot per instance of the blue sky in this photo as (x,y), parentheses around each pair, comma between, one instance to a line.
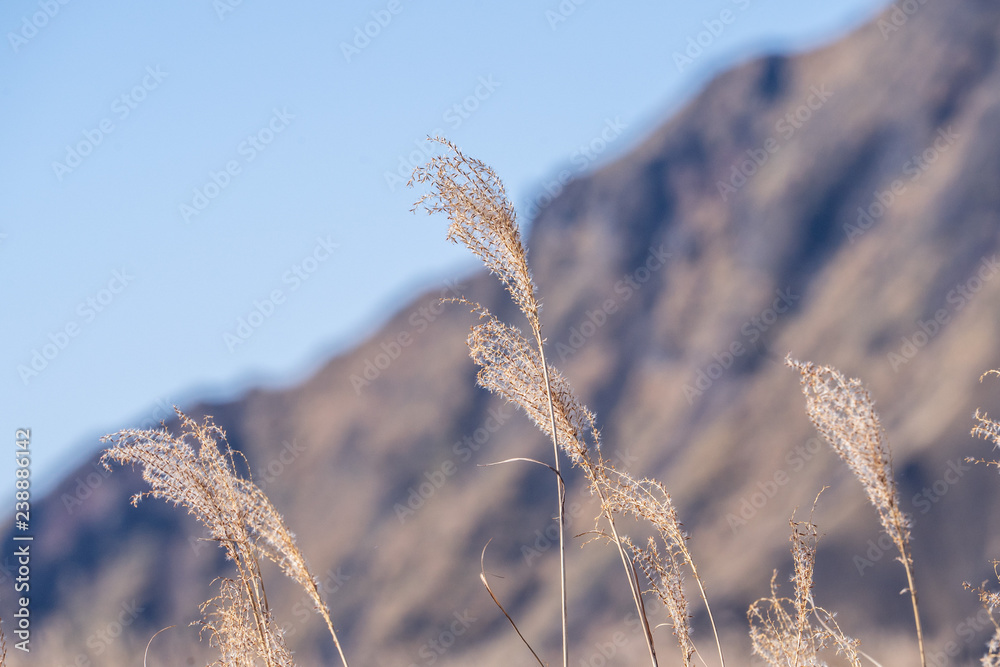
(173,169)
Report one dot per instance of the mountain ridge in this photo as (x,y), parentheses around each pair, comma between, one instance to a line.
(339,457)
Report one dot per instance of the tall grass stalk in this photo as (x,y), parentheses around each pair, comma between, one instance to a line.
(843,412)
(988,429)
(484,221)
(197,469)
(473,198)
(782,630)
(561,493)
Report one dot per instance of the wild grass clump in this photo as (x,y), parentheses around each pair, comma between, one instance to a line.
(197,470)
(481,217)
(843,412)
(471,195)
(793,632)
(987,429)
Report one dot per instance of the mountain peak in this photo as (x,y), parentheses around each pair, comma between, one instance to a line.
(840,204)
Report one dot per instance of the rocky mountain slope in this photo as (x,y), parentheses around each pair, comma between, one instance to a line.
(842,206)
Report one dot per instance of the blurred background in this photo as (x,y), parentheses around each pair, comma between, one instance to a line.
(121,120)
(205,205)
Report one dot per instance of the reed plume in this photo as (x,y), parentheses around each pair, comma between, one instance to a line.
(662,562)
(990,601)
(198,471)
(511,368)
(482,218)
(240,631)
(987,429)
(792,632)
(843,412)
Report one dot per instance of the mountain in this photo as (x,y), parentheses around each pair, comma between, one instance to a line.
(841,205)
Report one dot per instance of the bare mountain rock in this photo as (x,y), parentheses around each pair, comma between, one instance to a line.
(842,205)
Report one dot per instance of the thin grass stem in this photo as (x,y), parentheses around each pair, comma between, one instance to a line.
(916,610)
(561,489)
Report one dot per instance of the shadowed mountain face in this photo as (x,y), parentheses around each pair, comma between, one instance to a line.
(842,206)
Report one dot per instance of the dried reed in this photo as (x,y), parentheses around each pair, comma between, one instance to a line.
(781,629)
(482,218)
(239,517)
(843,412)
(987,429)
